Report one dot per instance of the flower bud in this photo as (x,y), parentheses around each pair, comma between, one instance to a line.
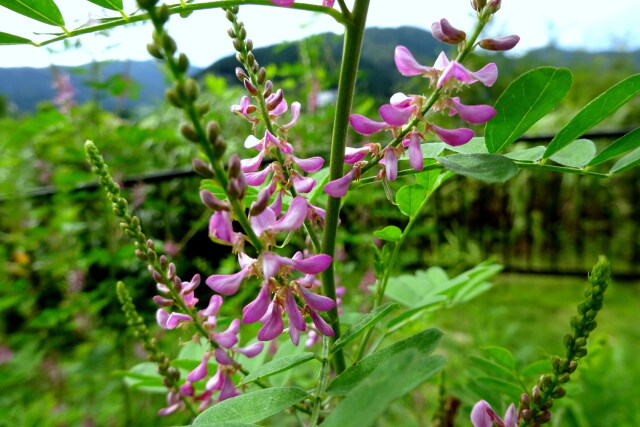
(249,45)
(168,44)
(478,5)
(573,365)
(526,415)
(445,32)
(163,13)
(191,89)
(564,378)
(242,34)
(219,146)
(183,63)
(262,75)
(173,98)
(171,271)
(261,203)
(154,50)
(250,87)
(234,166)
(202,109)
(236,189)
(156,276)
(240,57)
(212,202)
(525,400)
(240,74)
(202,168)
(231,32)
(535,394)
(149,243)
(547,405)
(559,392)
(140,255)
(545,381)
(277,99)
(177,283)
(495,5)
(543,417)
(213,131)
(163,302)
(237,45)
(189,133)
(502,43)
(268,88)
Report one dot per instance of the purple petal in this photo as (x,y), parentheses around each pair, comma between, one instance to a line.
(280,109)
(365,126)
(187,389)
(223,358)
(303,184)
(401,100)
(456,71)
(276,206)
(481,414)
(200,372)
(391,165)
(253,142)
(251,350)
(353,155)
(220,228)
(445,32)
(227,284)
(254,311)
(295,114)
(472,113)
(245,260)
(263,221)
(250,165)
(317,302)
(442,62)
(273,325)
(214,306)
(271,263)
(502,43)
(510,418)
(312,164)
(295,216)
(176,318)
(487,75)
(169,410)
(454,137)
(161,317)
(228,389)
(294,333)
(395,116)
(328,3)
(192,285)
(407,64)
(322,326)
(415,153)
(340,186)
(312,265)
(255,179)
(228,338)
(215,382)
(290,306)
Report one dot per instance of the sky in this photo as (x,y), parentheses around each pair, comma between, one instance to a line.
(584,24)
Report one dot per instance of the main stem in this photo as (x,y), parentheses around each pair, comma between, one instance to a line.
(352,47)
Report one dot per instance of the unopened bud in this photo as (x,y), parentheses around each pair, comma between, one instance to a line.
(240,57)
(168,44)
(230,16)
(191,89)
(262,75)
(149,243)
(242,34)
(477,5)
(276,100)
(249,44)
(237,187)
(250,87)
(164,262)
(268,89)
(495,5)
(219,146)
(261,203)
(189,133)
(240,74)
(183,62)
(581,352)
(147,4)
(535,394)
(547,405)
(525,400)
(163,302)
(202,109)
(234,166)
(202,168)
(502,43)
(573,365)
(580,342)
(564,378)
(173,98)
(543,417)
(231,32)
(237,45)
(526,415)
(151,255)
(154,50)
(545,381)
(140,255)
(156,276)
(212,202)
(559,392)
(213,131)
(171,271)
(445,32)
(163,13)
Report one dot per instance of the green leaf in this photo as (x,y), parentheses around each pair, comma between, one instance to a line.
(400,374)
(536,369)
(474,146)
(595,112)
(276,366)
(627,162)
(507,387)
(109,4)
(224,424)
(424,342)
(577,154)
(426,303)
(527,99)
(628,142)
(532,154)
(390,233)
(252,407)
(6,38)
(492,368)
(409,198)
(322,178)
(428,179)
(501,355)
(365,322)
(41,10)
(485,167)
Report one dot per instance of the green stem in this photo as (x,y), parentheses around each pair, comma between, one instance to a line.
(391,263)
(178,8)
(322,382)
(354,34)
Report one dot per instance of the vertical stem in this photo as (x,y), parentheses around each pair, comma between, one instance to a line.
(322,382)
(354,34)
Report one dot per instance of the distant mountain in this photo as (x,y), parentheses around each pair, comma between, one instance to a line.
(26,87)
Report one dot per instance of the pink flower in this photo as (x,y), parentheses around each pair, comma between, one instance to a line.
(471,113)
(200,371)
(227,284)
(482,415)
(502,43)
(365,126)
(415,152)
(453,137)
(353,155)
(340,186)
